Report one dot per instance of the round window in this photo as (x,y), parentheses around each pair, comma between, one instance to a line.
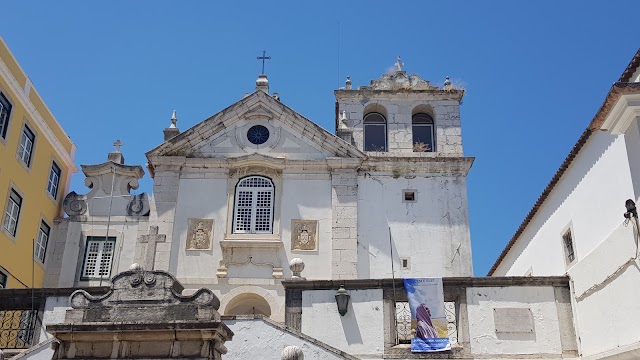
(258,134)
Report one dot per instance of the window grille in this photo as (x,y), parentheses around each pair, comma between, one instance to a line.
(17,328)
(54,180)
(26,145)
(43,239)
(404,330)
(3,280)
(568,246)
(12,213)
(5,113)
(98,257)
(253,210)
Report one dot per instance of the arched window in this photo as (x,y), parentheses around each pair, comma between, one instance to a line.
(423,139)
(253,208)
(375,132)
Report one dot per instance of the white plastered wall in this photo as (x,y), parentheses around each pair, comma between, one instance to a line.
(432,232)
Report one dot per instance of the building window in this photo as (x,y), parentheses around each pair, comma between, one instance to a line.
(3,280)
(98,257)
(253,208)
(26,145)
(422,127)
(43,239)
(5,113)
(408,196)
(12,213)
(375,132)
(54,180)
(567,239)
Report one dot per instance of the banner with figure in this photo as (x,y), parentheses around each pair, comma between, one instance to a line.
(428,317)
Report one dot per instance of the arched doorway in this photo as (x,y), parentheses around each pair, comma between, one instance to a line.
(248,304)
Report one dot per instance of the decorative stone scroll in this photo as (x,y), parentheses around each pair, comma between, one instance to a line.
(200,234)
(304,235)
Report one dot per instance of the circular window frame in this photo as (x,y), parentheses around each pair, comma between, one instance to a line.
(258,139)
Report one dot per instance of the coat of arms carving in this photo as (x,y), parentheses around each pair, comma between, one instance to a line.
(304,235)
(199,234)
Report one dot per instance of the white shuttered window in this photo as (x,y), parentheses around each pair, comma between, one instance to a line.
(253,208)
(98,257)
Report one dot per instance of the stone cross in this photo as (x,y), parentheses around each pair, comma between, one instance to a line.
(152,239)
(117,144)
(399,64)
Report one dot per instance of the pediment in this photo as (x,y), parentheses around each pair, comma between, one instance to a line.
(225,134)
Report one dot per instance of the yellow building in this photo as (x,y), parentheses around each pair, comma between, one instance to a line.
(36,164)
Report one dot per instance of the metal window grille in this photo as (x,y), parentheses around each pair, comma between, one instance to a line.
(26,145)
(404,327)
(41,243)
(568,244)
(17,328)
(12,213)
(54,180)
(5,112)
(253,210)
(98,257)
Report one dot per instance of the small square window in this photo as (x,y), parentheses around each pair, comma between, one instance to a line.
(408,196)
(405,263)
(567,240)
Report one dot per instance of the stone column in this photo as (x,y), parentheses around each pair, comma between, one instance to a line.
(163,211)
(344,228)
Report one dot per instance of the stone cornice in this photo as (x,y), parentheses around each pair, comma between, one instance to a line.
(391,164)
(108,166)
(453,95)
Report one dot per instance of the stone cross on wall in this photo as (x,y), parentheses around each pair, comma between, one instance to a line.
(117,145)
(151,240)
(399,64)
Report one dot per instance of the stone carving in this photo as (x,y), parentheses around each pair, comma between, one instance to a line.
(151,240)
(304,235)
(292,353)
(75,204)
(138,205)
(398,80)
(296,265)
(199,234)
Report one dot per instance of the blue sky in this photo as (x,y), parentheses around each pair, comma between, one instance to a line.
(535,74)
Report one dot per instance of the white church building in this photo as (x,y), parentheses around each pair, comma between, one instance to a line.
(243,193)
(585,225)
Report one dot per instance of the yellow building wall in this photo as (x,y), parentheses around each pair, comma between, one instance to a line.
(16,253)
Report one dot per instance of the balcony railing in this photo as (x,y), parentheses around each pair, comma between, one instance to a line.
(17,328)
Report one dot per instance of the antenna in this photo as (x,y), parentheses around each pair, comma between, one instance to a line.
(338,75)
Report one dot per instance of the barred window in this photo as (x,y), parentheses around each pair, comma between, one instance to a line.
(98,257)
(43,239)
(5,113)
(54,180)
(253,208)
(3,280)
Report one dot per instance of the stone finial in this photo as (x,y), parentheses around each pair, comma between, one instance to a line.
(296,265)
(116,156)
(399,64)
(172,131)
(292,353)
(262,83)
(343,120)
(348,85)
(174,120)
(135,267)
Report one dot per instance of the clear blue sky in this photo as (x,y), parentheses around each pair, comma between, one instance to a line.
(535,74)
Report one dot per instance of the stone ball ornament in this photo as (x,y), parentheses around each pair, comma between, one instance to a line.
(296,265)
(135,267)
(292,353)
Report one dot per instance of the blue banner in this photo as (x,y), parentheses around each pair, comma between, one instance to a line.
(428,317)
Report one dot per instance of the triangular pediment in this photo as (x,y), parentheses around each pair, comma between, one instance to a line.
(285,134)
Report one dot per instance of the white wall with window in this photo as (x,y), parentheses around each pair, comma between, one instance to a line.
(5,115)
(25,148)
(12,212)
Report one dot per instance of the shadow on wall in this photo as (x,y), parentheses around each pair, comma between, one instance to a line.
(350,326)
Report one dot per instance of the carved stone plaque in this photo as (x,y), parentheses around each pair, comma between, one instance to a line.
(200,234)
(304,235)
(513,320)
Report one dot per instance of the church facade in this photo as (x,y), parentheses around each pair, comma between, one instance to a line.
(257,187)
